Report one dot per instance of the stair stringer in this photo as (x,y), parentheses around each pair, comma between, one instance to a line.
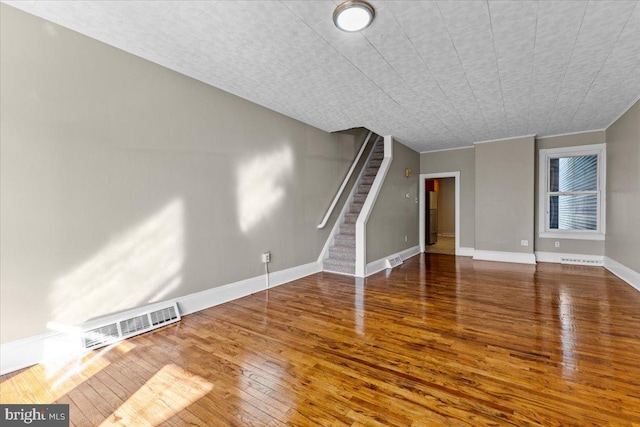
(367,208)
(324,254)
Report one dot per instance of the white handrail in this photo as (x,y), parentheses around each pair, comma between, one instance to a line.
(344,183)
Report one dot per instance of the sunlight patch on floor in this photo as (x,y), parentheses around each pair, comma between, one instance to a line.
(168,392)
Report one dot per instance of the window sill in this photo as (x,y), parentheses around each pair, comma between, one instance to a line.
(571,235)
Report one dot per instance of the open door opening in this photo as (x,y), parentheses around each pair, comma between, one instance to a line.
(440,213)
(440,217)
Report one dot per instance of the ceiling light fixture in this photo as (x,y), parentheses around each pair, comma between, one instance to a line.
(353,15)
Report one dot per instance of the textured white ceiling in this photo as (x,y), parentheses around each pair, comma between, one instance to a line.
(433,74)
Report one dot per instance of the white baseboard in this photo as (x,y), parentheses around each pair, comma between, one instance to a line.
(376,266)
(625,273)
(517,257)
(410,252)
(557,257)
(381,264)
(30,351)
(221,294)
(465,251)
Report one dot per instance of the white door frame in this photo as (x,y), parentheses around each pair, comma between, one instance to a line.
(423,178)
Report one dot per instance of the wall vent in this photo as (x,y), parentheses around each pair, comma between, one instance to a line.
(394,261)
(135,324)
(129,326)
(101,336)
(165,315)
(581,261)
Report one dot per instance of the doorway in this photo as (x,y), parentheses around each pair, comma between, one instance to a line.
(440,213)
(440,231)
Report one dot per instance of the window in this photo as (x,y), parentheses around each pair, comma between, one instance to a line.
(572,192)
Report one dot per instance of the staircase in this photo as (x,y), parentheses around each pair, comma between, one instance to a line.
(342,255)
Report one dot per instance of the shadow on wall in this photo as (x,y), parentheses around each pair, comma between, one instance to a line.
(261,186)
(141,266)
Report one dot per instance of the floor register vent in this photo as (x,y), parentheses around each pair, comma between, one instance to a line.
(130,326)
(393,262)
(581,261)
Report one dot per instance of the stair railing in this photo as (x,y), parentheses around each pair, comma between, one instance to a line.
(344,182)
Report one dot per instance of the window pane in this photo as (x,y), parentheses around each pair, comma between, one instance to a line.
(573,174)
(573,212)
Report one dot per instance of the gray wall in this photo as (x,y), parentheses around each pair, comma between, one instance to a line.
(124,182)
(463,161)
(504,195)
(447,206)
(395,216)
(623,190)
(571,246)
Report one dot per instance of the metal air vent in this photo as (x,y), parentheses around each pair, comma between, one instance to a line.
(128,326)
(101,336)
(581,261)
(394,262)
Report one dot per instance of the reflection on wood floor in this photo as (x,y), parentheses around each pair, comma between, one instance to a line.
(444,245)
(438,341)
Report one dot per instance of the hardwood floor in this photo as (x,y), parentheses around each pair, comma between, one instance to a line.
(438,341)
(444,245)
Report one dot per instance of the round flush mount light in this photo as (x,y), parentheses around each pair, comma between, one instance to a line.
(353,15)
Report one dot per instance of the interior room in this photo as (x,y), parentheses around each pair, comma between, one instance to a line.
(336,213)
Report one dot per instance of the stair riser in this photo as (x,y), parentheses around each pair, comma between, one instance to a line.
(368,179)
(349,229)
(351,218)
(364,188)
(342,256)
(345,240)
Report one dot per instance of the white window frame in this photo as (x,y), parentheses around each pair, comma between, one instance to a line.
(543,191)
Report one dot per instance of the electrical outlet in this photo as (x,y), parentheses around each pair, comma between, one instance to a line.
(406,239)
(524,243)
(557,244)
(266,257)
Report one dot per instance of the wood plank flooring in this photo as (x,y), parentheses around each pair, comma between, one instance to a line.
(444,245)
(438,341)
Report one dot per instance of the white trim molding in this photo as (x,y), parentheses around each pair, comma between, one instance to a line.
(516,257)
(379,265)
(466,252)
(367,208)
(446,149)
(622,271)
(543,191)
(570,133)
(67,345)
(505,139)
(422,207)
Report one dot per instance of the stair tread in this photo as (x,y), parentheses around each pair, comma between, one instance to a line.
(342,248)
(336,261)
